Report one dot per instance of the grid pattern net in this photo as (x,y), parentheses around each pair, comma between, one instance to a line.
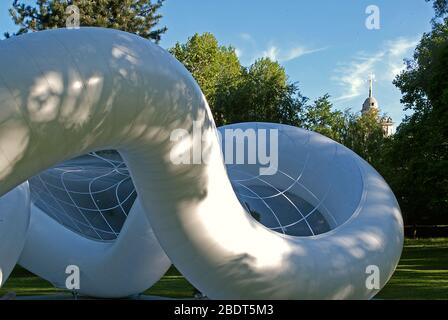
(91,194)
(284,209)
(281,210)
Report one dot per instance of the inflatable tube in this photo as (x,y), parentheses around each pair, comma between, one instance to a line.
(66,229)
(331,219)
(71,92)
(14,222)
(116,269)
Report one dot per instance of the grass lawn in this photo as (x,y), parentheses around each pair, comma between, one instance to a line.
(24,283)
(421,274)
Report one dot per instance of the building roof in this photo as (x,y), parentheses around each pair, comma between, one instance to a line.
(369,103)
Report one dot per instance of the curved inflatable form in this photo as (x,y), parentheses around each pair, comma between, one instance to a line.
(326,216)
(14,221)
(335,220)
(90,196)
(116,269)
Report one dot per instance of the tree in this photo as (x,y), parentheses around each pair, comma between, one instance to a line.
(365,136)
(361,133)
(440,7)
(263,94)
(211,64)
(260,92)
(136,16)
(320,117)
(416,164)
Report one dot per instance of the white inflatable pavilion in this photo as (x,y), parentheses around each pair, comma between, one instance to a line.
(312,229)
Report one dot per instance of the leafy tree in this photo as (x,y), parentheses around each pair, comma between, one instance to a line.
(361,133)
(136,16)
(365,136)
(416,164)
(320,117)
(440,7)
(263,94)
(211,64)
(260,92)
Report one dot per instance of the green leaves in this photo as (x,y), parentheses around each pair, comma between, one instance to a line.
(264,94)
(416,163)
(260,92)
(320,117)
(136,16)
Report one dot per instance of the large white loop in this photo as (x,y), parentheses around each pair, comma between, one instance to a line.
(70,92)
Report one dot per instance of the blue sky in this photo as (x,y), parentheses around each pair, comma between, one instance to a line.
(324,45)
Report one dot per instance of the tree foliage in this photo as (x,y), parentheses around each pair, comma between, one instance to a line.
(136,16)
(365,136)
(440,7)
(362,133)
(320,117)
(416,163)
(260,92)
(211,64)
(263,94)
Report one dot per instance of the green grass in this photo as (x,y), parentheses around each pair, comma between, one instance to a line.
(421,274)
(172,285)
(24,283)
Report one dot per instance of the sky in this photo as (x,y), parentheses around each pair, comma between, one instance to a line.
(325,46)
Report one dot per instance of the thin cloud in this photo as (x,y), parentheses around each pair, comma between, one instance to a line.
(238,52)
(246,36)
(271,53)
(298,52)
(276,54)
(397,51)
(353,76)
(401,46)
(385,64)
(252,50)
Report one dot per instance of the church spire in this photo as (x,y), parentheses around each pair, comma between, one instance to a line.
(371,86)
(370,102)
